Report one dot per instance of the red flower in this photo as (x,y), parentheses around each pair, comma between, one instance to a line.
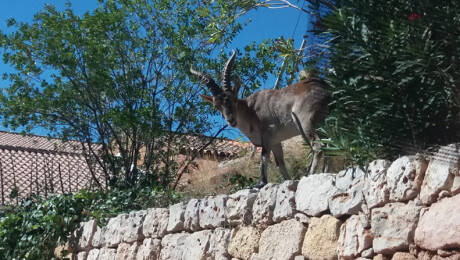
(415,16)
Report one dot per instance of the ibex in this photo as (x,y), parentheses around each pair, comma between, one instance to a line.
(268,117)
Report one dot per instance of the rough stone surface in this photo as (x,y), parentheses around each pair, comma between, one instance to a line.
(368,253)
(219,241)
(321,238)
(346,202)
(93,254)
(155,222)
(432,233)
(107,253)
(191,217)
(403,256)
(380,257)
(393,227)
(132,226)
(262,210)
(282,241)
(99,236)
(285,201)
(376,192)
(405,177)
(353,239)
(313,193)
(113,232)
(173,246)
(127,251)
(299,257)
(149,249)
(197,245)
(82,255)
(239,207)
(349,178)
(244,242)
(84,235)
(212,212)
(302,218)
(442,174)
(176,217)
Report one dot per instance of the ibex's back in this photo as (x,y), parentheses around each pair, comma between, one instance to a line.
(268,117)
(307,99)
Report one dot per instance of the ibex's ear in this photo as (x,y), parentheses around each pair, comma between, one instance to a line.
(207,99)
(236,86)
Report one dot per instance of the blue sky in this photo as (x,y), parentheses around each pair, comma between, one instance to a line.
(265,23)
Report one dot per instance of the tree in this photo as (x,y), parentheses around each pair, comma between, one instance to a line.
(117,80)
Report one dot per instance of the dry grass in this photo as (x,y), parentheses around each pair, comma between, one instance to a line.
(212,177)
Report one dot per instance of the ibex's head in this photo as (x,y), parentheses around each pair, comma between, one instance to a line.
(225,98)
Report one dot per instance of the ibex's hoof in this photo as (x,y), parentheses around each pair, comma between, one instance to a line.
(259,185)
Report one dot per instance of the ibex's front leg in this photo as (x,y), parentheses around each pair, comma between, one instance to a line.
(279,160)
(263,168)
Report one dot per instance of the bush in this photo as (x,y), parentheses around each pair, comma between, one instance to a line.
(34,228)
(394,73)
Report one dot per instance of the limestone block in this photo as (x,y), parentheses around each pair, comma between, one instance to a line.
(302,218)
(376,192)
(368,253)
(380,257)
(107,253)
(321,238)
(285,201)
(313,193)
(219,241)
(403,256)
(197,244)
(113,232)
(405,177)
(393,227)
(149,249)
(262,210)
(212,212)
(354,238)
(244,242)
(439,226)
(83,236)
(349,178)
(127,251)
(442,174)
(155,223)
(239,207)
(132,226)
(282,241)
(173,246)
(93,254)
(191,220)
(176,217)
(346,202)
(82,255)
(99,236)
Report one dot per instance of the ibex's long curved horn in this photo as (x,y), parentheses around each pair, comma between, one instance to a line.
(227,72)
(208,81)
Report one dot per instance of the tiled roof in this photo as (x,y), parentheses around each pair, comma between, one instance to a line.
(40,165)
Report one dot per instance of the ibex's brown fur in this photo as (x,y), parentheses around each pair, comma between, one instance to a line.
(268,117)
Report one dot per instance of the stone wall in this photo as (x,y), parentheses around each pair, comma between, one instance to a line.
(406,209)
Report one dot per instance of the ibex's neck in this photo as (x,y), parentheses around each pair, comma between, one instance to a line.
(247,120)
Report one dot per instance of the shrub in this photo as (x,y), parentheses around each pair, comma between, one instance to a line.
(394,71)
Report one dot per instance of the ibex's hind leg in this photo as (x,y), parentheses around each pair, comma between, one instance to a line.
(279,160)
(263,168)
(309,135)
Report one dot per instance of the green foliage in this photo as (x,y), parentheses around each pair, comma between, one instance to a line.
(352,146)
(32,229)
(394,73)
(241,182)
